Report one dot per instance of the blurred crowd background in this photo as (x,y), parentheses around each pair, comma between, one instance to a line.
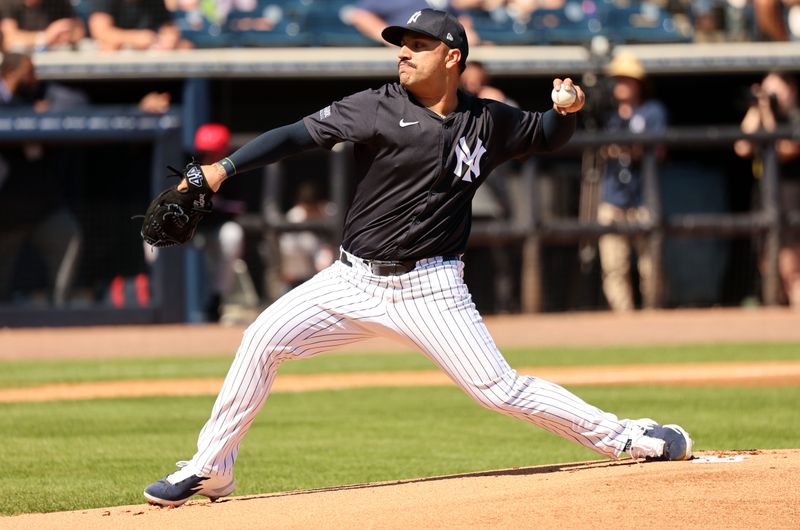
(68,241)
(155,24)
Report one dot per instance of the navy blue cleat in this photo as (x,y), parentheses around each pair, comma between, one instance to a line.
(652,441)
(175,489)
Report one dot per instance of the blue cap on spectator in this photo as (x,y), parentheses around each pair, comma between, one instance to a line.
(437,24)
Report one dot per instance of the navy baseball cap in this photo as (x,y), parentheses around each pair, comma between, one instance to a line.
(437,24)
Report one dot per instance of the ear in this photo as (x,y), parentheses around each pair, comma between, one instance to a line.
(453,58)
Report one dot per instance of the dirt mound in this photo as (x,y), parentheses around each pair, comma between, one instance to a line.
(731,489)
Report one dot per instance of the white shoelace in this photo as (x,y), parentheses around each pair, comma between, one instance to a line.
(182,474)
(643,446)
(646,446)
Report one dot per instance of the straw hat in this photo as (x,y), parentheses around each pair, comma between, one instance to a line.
(626,65)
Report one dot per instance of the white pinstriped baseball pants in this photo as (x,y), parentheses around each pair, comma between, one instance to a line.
(429,309)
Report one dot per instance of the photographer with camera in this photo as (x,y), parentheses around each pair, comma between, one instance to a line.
(773,103)
(622,199)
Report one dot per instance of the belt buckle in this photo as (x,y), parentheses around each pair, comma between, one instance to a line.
(389,268)
(381,268)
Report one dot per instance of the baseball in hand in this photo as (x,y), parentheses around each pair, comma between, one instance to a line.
(564,97)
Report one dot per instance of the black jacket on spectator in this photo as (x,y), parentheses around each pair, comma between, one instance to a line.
(35,17)
(134,14)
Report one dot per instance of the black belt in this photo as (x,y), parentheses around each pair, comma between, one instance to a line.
(388,268)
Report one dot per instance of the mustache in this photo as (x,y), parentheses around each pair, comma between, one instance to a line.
(407,63)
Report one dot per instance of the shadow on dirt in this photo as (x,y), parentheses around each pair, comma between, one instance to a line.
(533,470)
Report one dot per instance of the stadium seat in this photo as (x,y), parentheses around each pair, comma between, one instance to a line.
(271,23)
(198,30)
(575,23)
(499,27)
(641,23)
(326,22)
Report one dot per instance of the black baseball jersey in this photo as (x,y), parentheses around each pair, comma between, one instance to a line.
(417,172)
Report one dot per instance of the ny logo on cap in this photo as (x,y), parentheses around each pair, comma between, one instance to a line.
(414,17)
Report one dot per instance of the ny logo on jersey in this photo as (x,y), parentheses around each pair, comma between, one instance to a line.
(465,157)
(414,17)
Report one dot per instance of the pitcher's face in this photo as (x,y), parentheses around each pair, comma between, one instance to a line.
(421,60)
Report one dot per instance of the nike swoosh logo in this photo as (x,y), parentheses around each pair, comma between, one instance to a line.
(407,123)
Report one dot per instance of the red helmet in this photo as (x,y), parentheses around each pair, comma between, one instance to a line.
(212,137)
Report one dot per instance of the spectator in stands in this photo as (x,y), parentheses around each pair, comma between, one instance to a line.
(622,193)
(304,253)
(38,25)
(214,11)
(221,237)
(370,17)
(775,103)
(708,22)
(778,20)
(492,201)
(212,15)
(475,80)
(134,24)
(711,20)
(33,209)
(522,10)
(18,83)
(155,102)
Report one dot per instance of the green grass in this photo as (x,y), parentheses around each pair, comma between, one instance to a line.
(29,373)
(83,454)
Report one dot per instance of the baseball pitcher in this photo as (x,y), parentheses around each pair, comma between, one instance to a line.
(422,148)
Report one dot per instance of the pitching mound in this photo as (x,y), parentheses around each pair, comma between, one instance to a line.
(730,489)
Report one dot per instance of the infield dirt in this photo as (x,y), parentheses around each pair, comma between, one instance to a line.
(562,329)
(760,491)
